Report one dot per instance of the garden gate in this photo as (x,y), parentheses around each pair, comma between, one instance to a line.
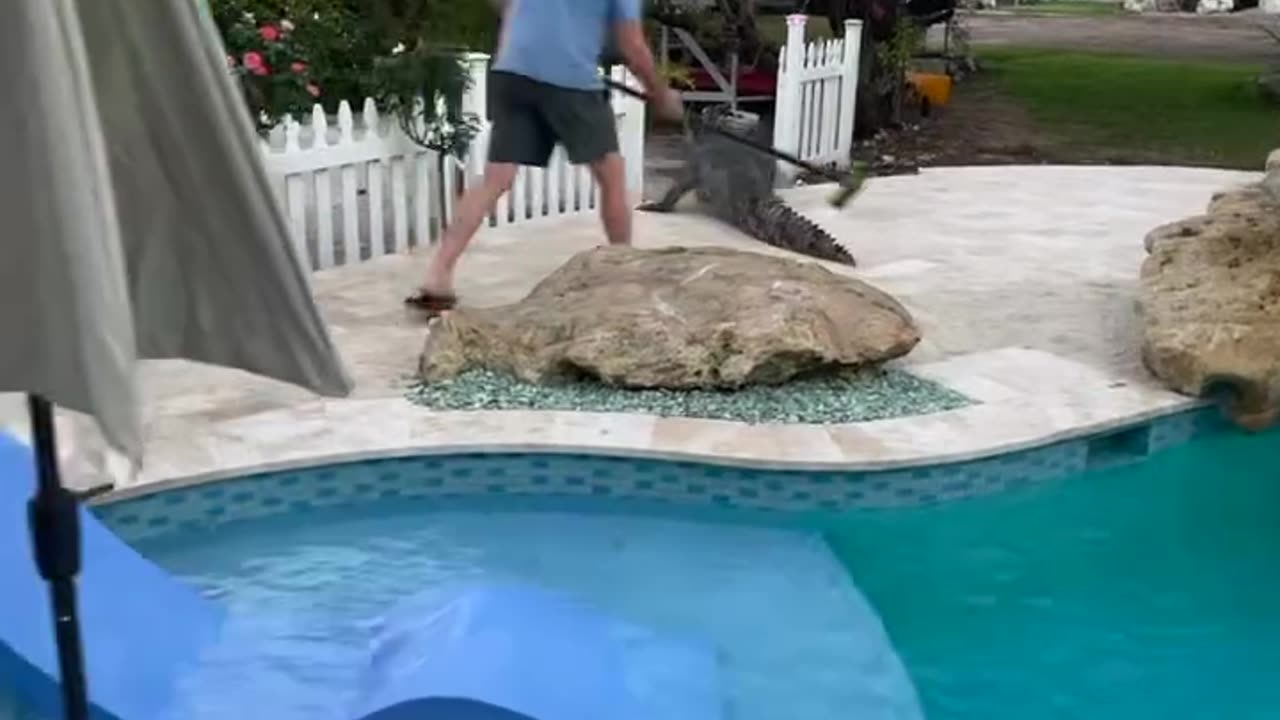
(817,96)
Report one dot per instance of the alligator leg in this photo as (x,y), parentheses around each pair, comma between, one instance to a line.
(687,181)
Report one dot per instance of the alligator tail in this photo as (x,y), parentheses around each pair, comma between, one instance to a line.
(775,223)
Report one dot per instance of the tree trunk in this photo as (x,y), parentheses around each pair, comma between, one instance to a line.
(879,17)
(742,32)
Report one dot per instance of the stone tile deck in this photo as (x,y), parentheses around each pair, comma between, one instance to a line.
(1022,278)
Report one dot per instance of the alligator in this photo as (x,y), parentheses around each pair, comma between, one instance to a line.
(734,184)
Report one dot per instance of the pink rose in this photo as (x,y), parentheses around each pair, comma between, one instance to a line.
(313,89)
(298,67)
(270,33)
(254,63)
(231,62)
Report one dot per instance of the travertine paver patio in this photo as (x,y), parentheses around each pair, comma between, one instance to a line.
(1022,278)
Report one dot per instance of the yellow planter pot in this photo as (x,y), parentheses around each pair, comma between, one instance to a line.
(934,86)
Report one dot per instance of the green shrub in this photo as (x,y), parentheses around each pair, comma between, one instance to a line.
(394,51)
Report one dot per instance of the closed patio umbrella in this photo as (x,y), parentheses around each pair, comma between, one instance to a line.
(137,223)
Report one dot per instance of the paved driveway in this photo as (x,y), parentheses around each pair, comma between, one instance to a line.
(1222,37)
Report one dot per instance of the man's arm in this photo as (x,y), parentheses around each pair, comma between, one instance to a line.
(634,48)
(628,28)
(501,6)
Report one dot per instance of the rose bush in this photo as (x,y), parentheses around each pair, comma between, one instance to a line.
(272,70)
(291,54)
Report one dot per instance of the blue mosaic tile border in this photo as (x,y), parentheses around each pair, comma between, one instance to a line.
(517,479)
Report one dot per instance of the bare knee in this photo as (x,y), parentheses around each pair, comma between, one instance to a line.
(611,173)
(499,177)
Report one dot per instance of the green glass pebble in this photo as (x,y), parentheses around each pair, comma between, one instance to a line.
(857,397)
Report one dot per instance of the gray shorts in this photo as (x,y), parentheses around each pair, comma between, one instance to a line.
(530,118)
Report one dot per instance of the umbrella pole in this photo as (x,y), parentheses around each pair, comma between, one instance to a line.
(55,535)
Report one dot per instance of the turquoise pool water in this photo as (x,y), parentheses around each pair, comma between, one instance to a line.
(1148,591)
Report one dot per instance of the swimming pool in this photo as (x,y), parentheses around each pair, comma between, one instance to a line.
(1132,589)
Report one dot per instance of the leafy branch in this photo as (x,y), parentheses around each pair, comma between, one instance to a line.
(423,88)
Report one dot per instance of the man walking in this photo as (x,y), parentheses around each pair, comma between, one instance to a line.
(545,89)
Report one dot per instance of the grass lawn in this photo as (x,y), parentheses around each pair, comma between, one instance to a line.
(1200,112)
(1067,7)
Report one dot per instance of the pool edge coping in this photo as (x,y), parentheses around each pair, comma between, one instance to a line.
(413,450)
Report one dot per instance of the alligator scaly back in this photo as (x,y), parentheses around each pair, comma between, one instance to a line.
(774,222)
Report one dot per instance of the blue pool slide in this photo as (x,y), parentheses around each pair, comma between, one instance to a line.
(141,627)
(464,653)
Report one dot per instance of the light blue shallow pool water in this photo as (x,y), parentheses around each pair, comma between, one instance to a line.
(776,604)
(1150,591)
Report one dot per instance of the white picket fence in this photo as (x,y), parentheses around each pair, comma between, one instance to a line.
(355,187)
(816,96)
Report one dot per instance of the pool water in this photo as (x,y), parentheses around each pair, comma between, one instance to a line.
(788,626)
(1150,591)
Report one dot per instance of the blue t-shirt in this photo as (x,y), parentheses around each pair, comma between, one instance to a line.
(559,41)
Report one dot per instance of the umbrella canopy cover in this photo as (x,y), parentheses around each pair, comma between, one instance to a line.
(138,219)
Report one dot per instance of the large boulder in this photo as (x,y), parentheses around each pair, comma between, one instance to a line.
(1210,301)
(675,318)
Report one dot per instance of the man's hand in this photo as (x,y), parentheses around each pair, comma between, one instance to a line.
(667,105)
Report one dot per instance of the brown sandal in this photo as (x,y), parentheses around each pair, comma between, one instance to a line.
(428,301)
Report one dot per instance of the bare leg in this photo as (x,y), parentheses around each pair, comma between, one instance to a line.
(615,212)
(473,207)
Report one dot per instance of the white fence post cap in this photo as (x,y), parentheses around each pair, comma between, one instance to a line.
(797,19)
